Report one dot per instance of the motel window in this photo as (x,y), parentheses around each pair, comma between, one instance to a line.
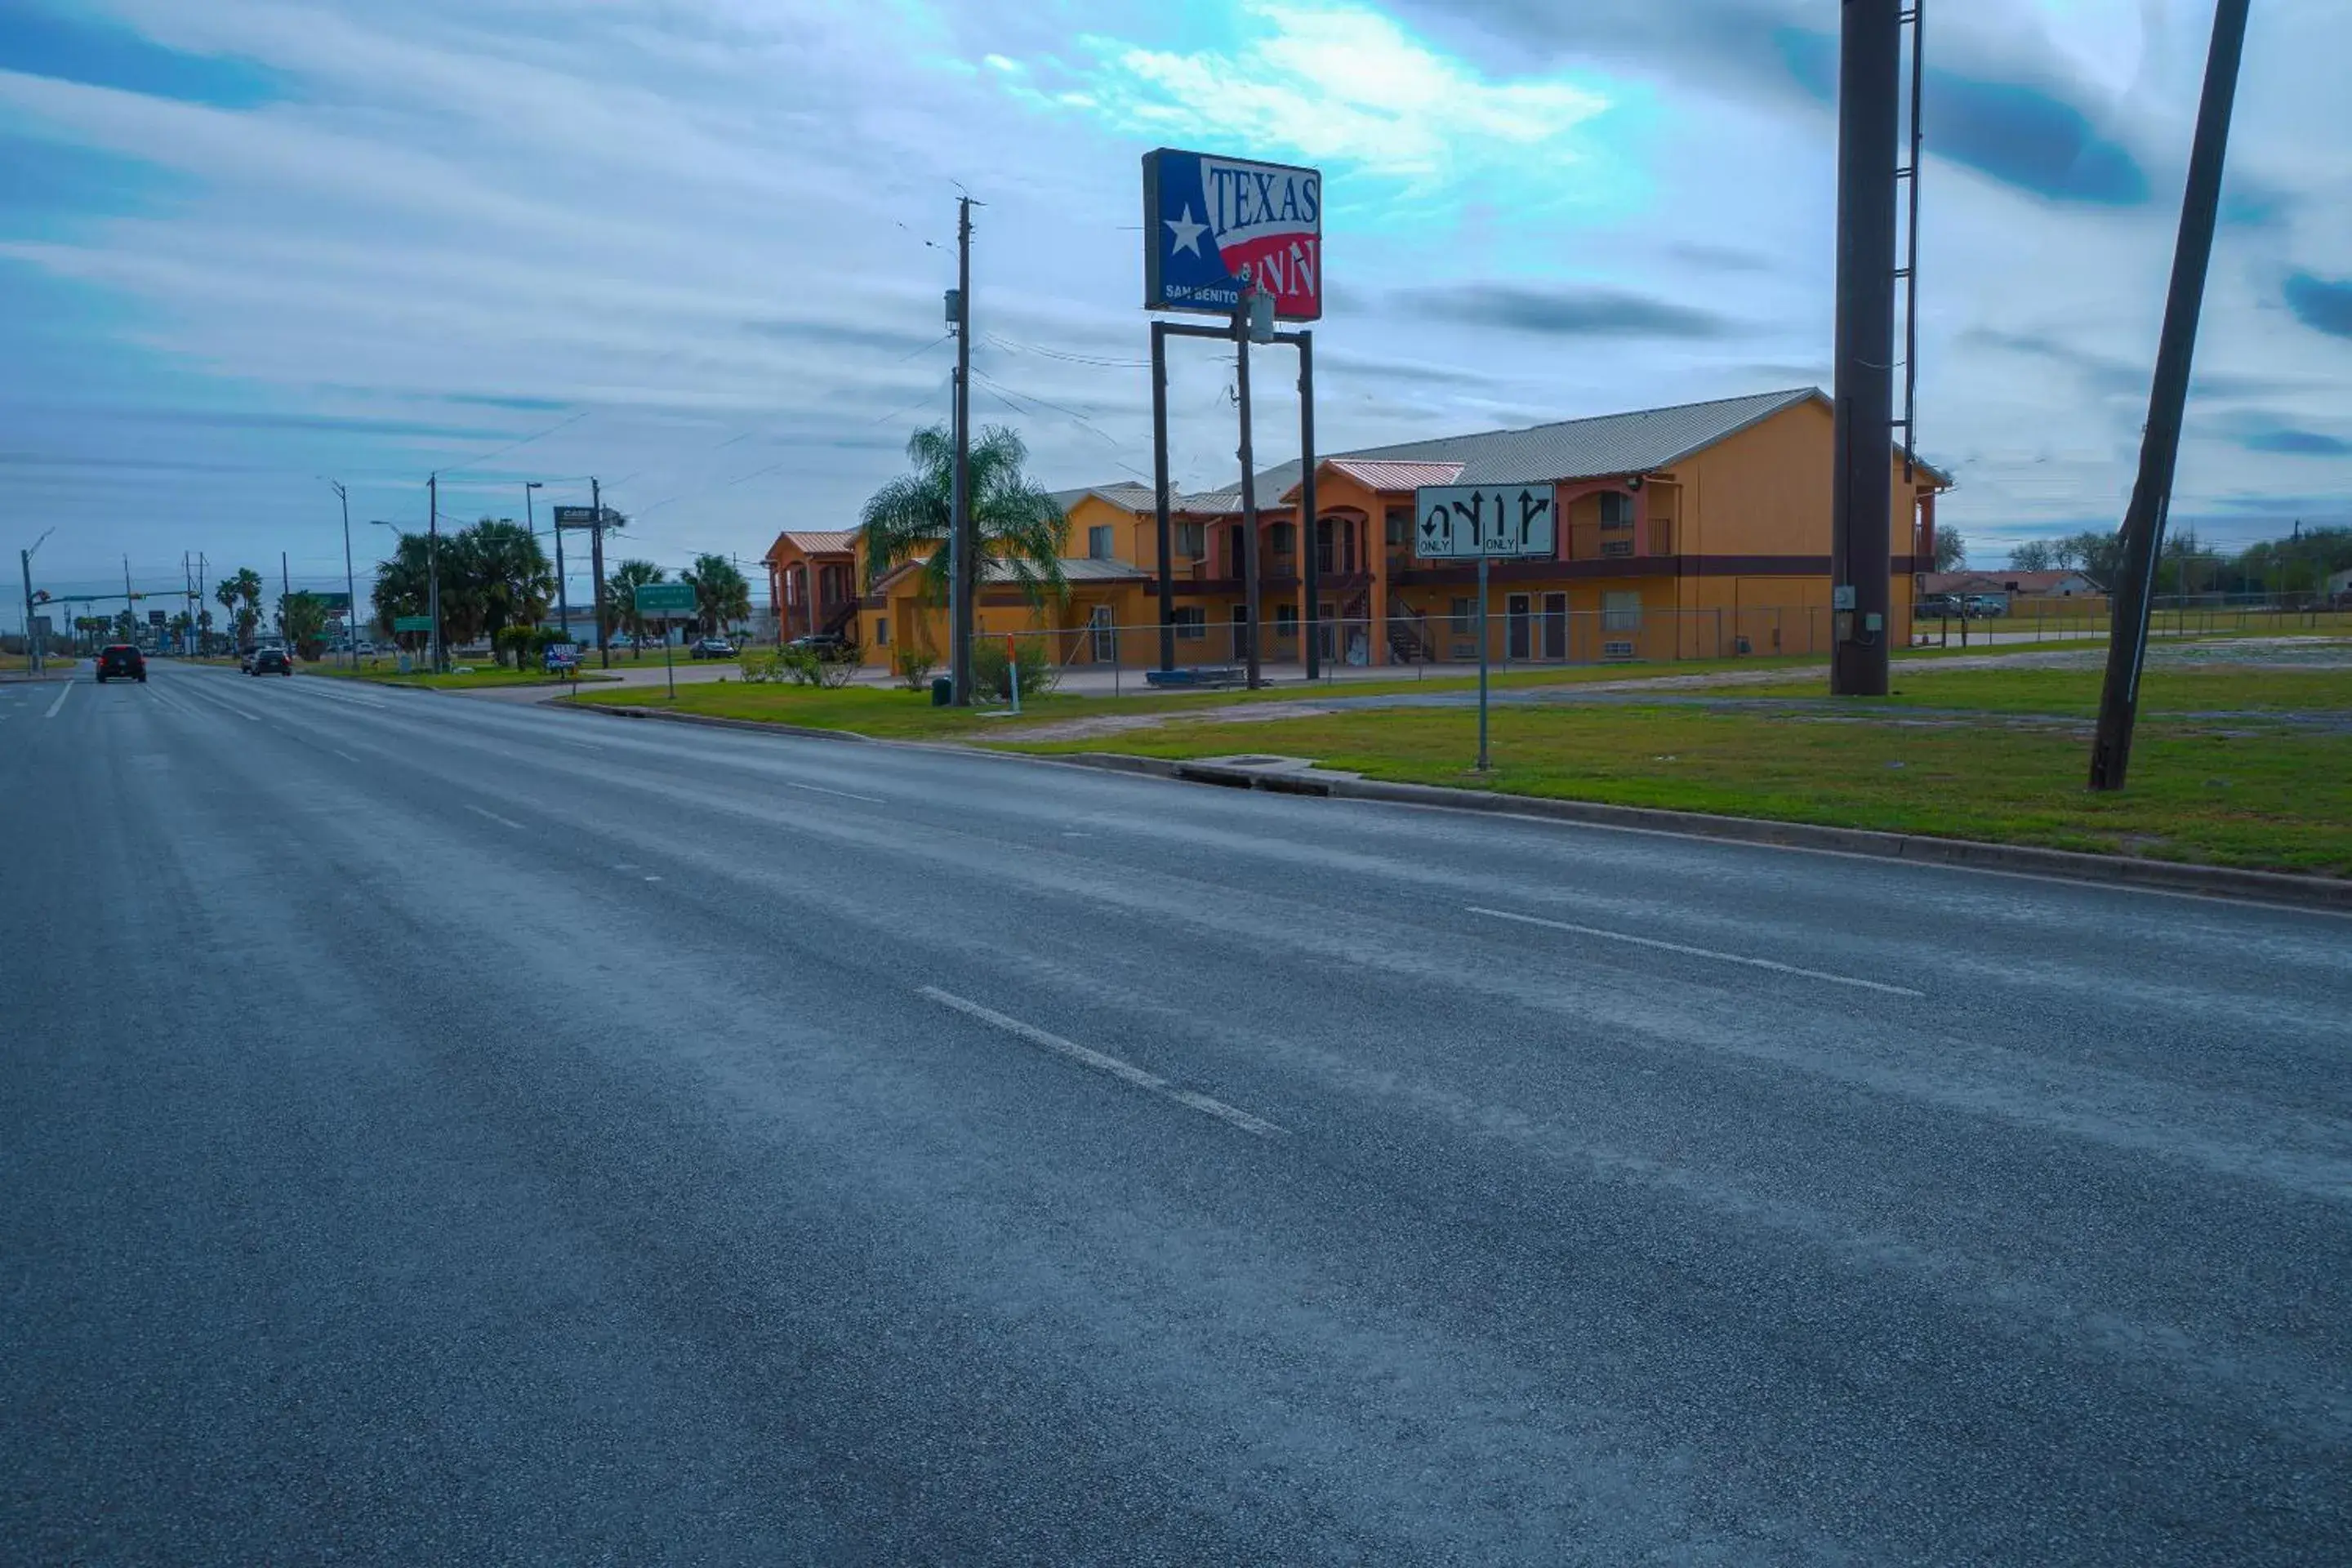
(1621,612)
(1281,537)
(1466,614)
(1616,509)
(1192,623)
(1286,620)
(1400,527)
(1098,542)
(1191,540)
(881,631)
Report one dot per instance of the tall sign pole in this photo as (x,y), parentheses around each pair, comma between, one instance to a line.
(1250,551)
(1514,521)
(1243,241)
(2159,447)
(1160,498)
(1870,74)
(1312,534)
(963,569)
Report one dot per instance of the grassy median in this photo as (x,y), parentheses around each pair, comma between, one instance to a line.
(2247,766)
(388,674)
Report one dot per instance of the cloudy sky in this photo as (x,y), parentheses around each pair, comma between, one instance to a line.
(695,248)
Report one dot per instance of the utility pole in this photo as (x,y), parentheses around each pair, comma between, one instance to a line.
(2159,447)
(285,592)
(1870,73)
(963,571)
(201,610)
(433,564)
(351,584)
(130,603)
(596,561)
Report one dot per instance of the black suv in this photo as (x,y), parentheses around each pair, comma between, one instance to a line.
(270,661)
(121,658)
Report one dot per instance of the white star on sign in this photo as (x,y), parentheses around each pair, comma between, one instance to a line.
(1188,233)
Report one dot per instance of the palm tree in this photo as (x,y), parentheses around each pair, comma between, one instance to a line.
(621,599)
(505,569)
(1013,521)
(721,593)
(240,595)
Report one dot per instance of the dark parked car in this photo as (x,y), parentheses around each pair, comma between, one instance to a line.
(713,647)
(825,644)
(270,661)
(123,659)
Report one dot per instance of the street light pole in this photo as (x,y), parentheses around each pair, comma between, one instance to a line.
(351,583)
(34,663)
(562,592)
(433,564)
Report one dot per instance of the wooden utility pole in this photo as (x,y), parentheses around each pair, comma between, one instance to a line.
(2159,447)
(963,568)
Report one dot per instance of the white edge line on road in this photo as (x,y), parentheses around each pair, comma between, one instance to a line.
(63,692)
(345,755)
(1696,951)
(1125,1072)
(494,817)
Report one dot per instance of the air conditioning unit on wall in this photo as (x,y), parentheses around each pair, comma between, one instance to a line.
(1621,649)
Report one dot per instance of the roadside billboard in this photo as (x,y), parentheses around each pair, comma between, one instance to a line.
(1211,224)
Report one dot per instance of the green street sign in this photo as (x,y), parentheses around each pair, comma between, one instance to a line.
(412,623)
(665,598)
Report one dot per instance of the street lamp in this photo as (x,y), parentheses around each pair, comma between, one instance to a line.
(562,599)
(351,584)
(34,663)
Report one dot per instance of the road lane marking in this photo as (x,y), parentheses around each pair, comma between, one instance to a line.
(63,692)
(819,789)
(345,755)
(1697,952)
(494,817)
(1125,1072)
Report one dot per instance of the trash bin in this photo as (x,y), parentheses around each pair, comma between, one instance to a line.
(942,692)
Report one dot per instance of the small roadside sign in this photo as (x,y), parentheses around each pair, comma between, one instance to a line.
(664,599)
(412,623)
(1484,523)
(1459,522)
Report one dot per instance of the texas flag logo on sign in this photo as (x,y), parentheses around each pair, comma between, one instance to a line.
(1212,224)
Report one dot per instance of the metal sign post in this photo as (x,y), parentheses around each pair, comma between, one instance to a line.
(1482,522)
(662,600)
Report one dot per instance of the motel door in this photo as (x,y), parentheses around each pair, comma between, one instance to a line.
(1516,641)
(1106,641)
(1555,626)
(1241,633)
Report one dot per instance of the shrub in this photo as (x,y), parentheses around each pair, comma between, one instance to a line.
(989,668)
(914,666)
(762,664)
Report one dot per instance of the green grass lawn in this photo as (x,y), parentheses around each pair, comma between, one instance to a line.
(385,672)
(2271,797)
(2166,688)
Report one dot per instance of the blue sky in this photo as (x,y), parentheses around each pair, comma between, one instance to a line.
(695,248)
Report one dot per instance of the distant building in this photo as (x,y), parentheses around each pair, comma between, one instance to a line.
(2013,584)
(1683,531)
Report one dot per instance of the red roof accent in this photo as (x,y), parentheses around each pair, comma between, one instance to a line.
(1386,477)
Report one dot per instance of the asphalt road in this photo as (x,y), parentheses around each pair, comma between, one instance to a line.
(442,1132)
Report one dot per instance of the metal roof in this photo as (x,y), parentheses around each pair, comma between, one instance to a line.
(1377,475)
(818,541)
(1629,443)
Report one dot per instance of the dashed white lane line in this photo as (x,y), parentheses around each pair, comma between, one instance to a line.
(494,817)
(843,794)
(1125,1072)
(63,692)
(1697,952)
(345,755)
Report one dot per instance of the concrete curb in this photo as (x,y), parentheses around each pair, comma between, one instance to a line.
(2115,870)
